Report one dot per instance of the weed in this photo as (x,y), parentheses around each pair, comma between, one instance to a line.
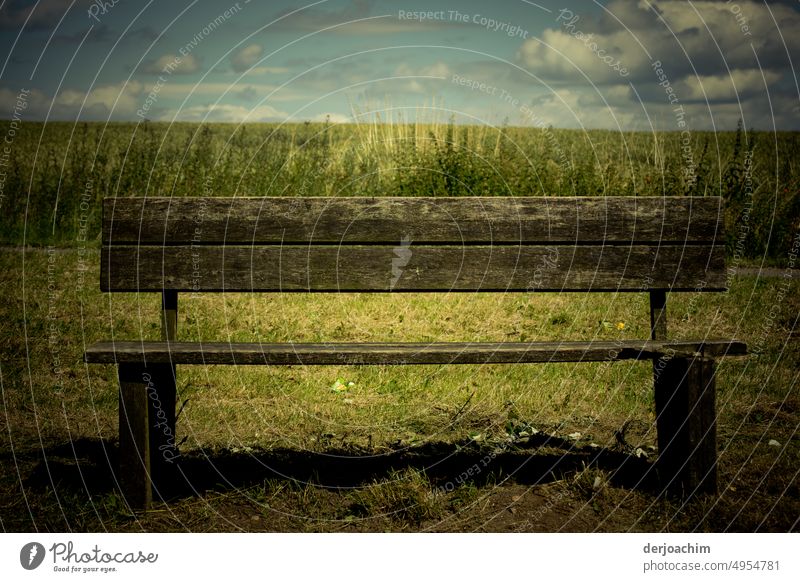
(375,158)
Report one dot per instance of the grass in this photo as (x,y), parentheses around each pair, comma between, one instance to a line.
(65,170)
(277,449)
(416,448)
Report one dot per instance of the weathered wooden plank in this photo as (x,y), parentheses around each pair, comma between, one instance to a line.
(160,384)
(411,268)
(658,322)
(359,220)
(658,315)
(169,315)
(165,380)
(134,438)
(401,353)
(686,422)
(147,448)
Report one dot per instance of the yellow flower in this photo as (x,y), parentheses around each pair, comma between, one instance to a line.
(621,325)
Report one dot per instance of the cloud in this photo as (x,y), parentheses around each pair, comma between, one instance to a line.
(721,61)
(247,94)
(99,33)
(36,106)
(349,20)
(172,64)
(145,33)
(311,19)
(266,71)
(115,101)
(577,54)
(226,113)
(371,75)
(336,75)
(120,99)
(35,15)
(715,36)
(703,38)
(246,57)
(739,84)
(438,69)
(332,118)
(424,84)
(259,90)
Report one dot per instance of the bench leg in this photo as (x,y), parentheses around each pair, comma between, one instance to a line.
(147,451)
(686,422)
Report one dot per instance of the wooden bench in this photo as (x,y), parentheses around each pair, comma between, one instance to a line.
(399,245)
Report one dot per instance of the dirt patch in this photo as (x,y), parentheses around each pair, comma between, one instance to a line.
(544,487)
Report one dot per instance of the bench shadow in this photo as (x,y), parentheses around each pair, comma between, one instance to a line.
(87,466)
(445,465)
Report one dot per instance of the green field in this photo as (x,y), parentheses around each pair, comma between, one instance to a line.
(277,449)
(50,171)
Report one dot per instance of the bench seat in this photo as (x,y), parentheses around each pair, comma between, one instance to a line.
(286,354)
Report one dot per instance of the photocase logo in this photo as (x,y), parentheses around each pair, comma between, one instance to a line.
(402,256)
(31,555)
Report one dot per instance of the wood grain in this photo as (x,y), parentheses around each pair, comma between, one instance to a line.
(134,437)
(293,268)
(658,315)
(676,220)
(400,353)
(686,422)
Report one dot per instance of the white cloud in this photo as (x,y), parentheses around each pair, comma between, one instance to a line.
(182,90)
(739,84)
(115,101)
(423,85)
(438,69)
(699,37)
(173,64)
(356,18)
(246,57)
(333,118)
(266,70)
(253,90)
(560,55)
(226,113)
(36,104)
(720,60)
(120,99)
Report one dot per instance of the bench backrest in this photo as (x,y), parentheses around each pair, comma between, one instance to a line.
(292,244)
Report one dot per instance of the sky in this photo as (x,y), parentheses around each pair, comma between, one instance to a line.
(619,65)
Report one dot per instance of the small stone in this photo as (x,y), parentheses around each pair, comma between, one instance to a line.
(774,443)
(574,436)
(255,518)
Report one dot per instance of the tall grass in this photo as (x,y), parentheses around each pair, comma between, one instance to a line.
(53,168)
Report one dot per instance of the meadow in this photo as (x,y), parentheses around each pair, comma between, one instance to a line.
(285,449)
(50,170)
